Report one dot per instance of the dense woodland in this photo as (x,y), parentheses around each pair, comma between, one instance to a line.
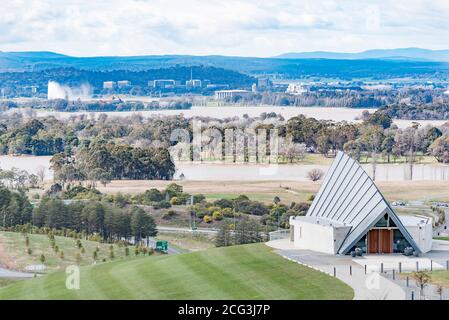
(106,220)
(134,147)
(431,111)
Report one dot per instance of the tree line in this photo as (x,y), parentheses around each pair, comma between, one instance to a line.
(78,135)
(89,217)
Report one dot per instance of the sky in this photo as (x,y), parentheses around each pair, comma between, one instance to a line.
(227,27)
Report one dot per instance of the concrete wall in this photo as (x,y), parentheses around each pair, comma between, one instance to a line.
(422,236)
(314,237)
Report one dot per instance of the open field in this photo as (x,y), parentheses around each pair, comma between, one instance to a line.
(240,272)
(13,251)
(288,191)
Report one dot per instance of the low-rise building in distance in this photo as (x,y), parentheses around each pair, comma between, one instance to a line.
(230,94)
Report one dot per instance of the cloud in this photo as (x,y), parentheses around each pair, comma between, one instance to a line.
(233,27)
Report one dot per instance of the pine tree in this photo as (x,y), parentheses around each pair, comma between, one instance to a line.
(223,237)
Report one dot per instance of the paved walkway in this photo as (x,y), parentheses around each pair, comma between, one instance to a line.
(369,286)
(5,273)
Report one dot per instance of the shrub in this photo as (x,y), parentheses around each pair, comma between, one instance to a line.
(29,251)
(169,214)
(126,251)
(61,255)
(198,198)
(162,205)
(207,219)
(152,195)
(224,203)
(227,212)
(217,215)
(42,258)
(315,174)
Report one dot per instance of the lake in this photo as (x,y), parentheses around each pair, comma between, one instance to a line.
(256,172)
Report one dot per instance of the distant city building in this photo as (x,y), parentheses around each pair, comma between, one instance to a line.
(229,94)
(217,86)
(123,83)
(109,85)
(206,83)
(264,83)
(193,83)
(32,89)
(295,89)
(163,83)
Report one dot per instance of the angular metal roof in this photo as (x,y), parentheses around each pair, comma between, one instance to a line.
(349,196)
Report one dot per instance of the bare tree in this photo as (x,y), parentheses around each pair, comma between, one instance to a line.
(315,174)
(40,172)
(422,279)
(374,164)
(293,151)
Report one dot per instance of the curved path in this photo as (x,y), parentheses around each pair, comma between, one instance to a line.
(6,273)
(369,286)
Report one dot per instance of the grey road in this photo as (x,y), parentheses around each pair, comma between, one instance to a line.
(187,230)
(5,273)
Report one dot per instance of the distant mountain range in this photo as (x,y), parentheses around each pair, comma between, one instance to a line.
(403,53)
(375,64)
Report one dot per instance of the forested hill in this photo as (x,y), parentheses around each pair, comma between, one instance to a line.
(375,68)
(76,77)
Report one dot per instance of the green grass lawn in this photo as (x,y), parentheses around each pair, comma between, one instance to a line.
(7,281)
(441,238)
(15,254)
(240,272)
(440,277)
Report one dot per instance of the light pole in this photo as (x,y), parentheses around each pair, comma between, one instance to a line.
(235,234)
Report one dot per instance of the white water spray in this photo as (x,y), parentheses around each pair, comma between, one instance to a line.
(59,91)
